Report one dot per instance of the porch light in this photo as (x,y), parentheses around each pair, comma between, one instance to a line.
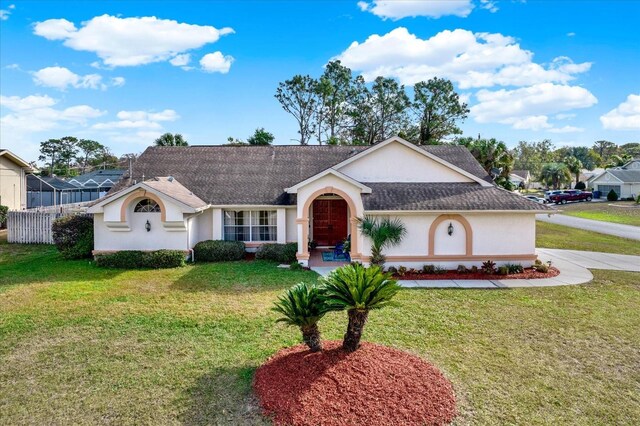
(450,229)
(147,226)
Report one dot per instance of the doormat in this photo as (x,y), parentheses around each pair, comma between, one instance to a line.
(330,256)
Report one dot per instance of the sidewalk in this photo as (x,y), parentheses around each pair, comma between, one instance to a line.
(616,229)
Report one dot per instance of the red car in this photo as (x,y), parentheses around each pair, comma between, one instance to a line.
(571,195)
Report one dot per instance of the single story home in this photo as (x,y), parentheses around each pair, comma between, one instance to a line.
(453,212)
(625,180)
(520,178)
(13,180)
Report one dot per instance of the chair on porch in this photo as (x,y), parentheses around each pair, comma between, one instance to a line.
(338,250)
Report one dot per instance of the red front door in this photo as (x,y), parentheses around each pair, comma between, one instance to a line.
(329,221)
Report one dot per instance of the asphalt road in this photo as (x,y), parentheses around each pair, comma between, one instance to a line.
(625,231)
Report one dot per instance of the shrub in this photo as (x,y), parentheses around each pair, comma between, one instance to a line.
(514,268)
(462,269)
(282,253)
(440,270)
(580,185)
(133,259)
(402,271)
(612,196)
(218,251)
(474,269)
(392,270)
(638,200)
(4,211)
(429,269)
(489,267)
(503,270)
(541,267)
(73,236)
(295,266)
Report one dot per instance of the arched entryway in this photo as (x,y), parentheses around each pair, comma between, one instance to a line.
(329,215)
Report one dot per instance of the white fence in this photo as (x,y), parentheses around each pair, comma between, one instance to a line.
(30,227)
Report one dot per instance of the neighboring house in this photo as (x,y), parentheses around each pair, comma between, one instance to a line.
(453,212)
(44,191)
(13,180)
(520,178)
(625,180)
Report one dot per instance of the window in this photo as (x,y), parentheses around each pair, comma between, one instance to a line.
(147,206)
(250,225)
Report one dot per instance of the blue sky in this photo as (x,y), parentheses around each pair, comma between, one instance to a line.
(117,71)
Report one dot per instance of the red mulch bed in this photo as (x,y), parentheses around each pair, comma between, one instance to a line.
(375,385)
(529,273)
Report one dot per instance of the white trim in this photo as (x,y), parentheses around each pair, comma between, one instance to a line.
(251,206)
(331,171)
(401,212)
(607,172)
(416,149)
(17,160)
(188,209)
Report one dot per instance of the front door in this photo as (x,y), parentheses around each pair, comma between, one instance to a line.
(329,221)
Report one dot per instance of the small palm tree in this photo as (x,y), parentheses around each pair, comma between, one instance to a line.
(303,307)
(358,290)
(383,233)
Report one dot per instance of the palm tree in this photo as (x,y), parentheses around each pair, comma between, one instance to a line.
(574,165)
(302,306)
(383,233)
(555,174)
(358,290)
(171,140)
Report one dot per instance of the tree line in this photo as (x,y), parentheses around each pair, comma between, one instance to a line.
(340,109)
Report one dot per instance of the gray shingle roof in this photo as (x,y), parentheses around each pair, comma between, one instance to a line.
(627,176)
(258,175)
(176,190)
(444,196)
(225,175)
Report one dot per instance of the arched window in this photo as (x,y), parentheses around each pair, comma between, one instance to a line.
(147,206)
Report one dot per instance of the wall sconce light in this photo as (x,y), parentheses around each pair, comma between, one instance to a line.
(147,226)
(450,229)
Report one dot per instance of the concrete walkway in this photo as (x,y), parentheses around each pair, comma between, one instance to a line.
(616,229)
(572,264)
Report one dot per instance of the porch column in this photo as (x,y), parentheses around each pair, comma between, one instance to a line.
(282,226)
(216,226)
(303,241)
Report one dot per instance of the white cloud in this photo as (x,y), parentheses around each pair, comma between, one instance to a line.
(216,62)
(572,34)
(469,59)
(564,116)
(4,13)
(490,5)
(180,60)
(139,120)
(567,129)
(625,116)
(529,107)
(391,9)
(62,78)
(118,81)
(35,113)
(130,41)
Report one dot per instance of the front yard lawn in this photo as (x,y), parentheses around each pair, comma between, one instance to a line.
(551,235)
(84,345)
(625,212)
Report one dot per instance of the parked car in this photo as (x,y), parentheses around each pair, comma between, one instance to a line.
(536,199)
(548,194)
(571,195)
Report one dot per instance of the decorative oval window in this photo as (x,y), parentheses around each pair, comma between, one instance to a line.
(147,206)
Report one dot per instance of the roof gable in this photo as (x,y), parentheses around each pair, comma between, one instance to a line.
(294,189)
(396,160)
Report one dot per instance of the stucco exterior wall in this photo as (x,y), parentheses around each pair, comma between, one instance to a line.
(202,227)
(137,238)
(12,185)
(383,166)
(501,237)
(292,228)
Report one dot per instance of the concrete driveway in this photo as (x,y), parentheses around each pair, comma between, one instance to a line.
(616,229)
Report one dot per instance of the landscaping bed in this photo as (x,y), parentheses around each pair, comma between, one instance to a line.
(528,274)
(375,385)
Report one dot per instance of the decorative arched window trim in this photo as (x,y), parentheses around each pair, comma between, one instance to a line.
(147,205)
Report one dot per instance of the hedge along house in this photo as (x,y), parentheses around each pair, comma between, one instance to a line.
(453,212)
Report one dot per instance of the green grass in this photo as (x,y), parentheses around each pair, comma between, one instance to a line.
(550,235)
(624,212)
(82,345)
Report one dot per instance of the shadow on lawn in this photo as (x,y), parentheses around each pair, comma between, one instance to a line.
(224,396)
